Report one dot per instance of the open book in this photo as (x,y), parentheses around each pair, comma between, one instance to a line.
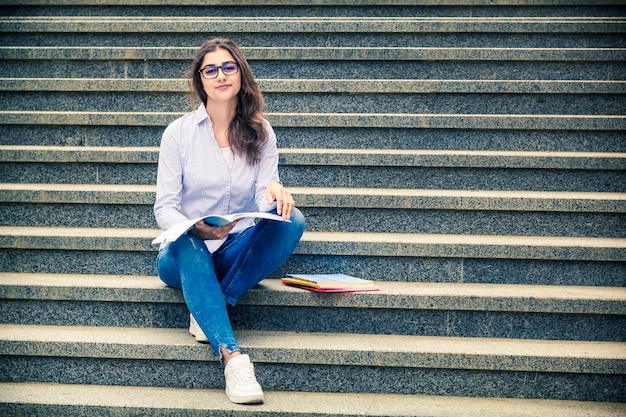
(329,282)
(176,231)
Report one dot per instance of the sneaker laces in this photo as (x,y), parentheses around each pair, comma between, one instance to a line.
(243,375)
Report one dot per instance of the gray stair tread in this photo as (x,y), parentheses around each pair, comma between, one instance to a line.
(320,53)
(392,295)
(341,157)
(458,199)
(341,243)
(324,86)
(312,25)
(321,348)
(158,401)
(552,201)
(344,120)
(304,2)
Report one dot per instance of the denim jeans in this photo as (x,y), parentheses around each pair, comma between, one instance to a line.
(207,280)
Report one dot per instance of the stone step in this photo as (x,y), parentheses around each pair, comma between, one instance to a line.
(389,364)
(323,8)
(425,309)
(445,62)
(323,96)
(530,171)
(471,132)
(312,86)
(380,256)
(581,32)
(337,137)
(334,120)
(342,209)
(100,400)
(329,157)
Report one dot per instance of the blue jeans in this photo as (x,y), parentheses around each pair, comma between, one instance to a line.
(207,280)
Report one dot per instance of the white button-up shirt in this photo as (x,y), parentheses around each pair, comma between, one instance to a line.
(194,178)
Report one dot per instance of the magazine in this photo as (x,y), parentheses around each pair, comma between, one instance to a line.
(329,282)
(176,231)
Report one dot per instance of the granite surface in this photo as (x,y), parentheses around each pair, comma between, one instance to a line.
(322,103)
(90,400)
(393,257)
(339,157)
(419,269)
(336,138)
(430,37)
(320,69)
(326,120)
(387,351)
(508,179)
(352,244)
(449,319)
(385,268)
(372,85)
(160,357)
(316,378)
(437,309)
(260,25)
(321,53)
(409,322)
(343,210)
(391,295)
(435,64)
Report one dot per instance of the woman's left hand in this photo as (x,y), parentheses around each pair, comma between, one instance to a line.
(284,201)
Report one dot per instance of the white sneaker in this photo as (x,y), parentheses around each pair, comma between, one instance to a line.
(196,331)
(241,384)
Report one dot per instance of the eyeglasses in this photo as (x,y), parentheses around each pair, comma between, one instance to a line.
(210,71)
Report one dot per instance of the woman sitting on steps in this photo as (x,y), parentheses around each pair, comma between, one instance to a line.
(222,158)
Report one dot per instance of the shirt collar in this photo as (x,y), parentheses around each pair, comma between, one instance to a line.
(201,114)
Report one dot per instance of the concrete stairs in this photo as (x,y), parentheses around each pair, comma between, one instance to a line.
(468,156)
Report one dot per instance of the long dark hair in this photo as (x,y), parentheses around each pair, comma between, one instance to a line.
(246,132)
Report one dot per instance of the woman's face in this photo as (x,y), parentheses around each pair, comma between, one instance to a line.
(222,88)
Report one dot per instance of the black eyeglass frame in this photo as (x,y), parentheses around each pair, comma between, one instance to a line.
(218,68)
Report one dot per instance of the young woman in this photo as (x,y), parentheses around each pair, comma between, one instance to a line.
(222,158)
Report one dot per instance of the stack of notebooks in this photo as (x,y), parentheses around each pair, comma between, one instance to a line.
(329,282)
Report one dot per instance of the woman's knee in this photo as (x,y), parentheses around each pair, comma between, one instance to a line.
(185,249)
(298,221)
(167,268)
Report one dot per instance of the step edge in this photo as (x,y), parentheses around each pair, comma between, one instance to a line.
(515,298)
(308,348)
(131,398)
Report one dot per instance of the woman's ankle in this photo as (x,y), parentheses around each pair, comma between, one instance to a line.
(227,356)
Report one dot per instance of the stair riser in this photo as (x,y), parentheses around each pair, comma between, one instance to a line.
(355,138)
(433,323)
(454,323)
(386,10)
(381,268)
(497,271)
(321,378)
(337,219)
(341,176)
(599,104)
(75,410)
(455,178)
(316,69)
(195,37)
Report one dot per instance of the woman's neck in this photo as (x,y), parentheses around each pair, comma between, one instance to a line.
(221,113)
(221,116)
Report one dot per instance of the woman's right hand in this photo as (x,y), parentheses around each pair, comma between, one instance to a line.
(207,232)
